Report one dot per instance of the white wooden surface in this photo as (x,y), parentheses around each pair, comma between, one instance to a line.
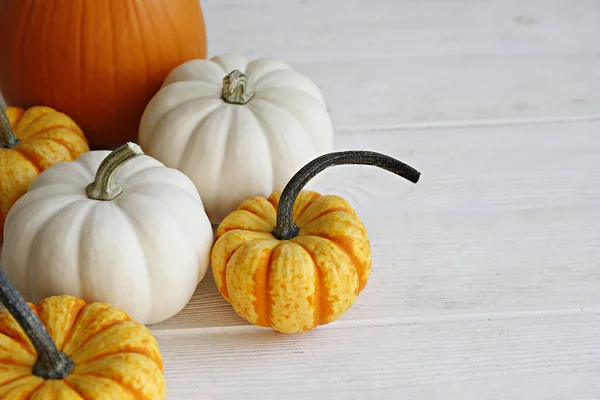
(486,277)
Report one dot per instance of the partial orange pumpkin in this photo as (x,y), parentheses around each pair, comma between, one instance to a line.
(30,141)
(98,61)
(298,259)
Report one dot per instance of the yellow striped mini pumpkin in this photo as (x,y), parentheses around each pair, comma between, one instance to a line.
(297,259)
(64,348)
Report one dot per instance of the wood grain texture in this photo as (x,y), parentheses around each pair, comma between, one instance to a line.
(485,283)
(387,63)
(523,356)
(504,219)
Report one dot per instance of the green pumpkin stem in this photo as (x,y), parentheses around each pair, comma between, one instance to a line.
(51,363)
(235,88)
(104,186)
(8,140)
(286,228)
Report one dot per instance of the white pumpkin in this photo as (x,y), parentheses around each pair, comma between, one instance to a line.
(237,128)
(137,237)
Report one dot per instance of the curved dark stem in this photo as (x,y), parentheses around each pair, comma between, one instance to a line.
(286,228)
(8,140)
(51,363)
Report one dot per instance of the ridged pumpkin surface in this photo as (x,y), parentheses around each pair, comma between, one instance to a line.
(292,285)
(99,61)
(46,137)
(115,357)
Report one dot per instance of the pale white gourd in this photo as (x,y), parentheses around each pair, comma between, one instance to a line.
(237,128)
(134,235)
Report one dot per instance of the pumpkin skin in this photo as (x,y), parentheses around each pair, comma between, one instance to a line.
(98,61)
(144,252)
(292,285)
(115,357)
(297,260)
(46,137)
(233,151)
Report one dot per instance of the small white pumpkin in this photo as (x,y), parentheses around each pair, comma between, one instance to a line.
(113,228)
(237,128)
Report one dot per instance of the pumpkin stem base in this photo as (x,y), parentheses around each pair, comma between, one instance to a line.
(54,369)
(10,143)
(235,88)
(8,140)
(51,363)
(104,187)
(286,232)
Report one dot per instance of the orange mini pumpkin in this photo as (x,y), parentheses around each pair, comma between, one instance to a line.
(64,348)
(99,61)
(31,141)
(297,259)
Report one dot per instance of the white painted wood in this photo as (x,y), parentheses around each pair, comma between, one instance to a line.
(486,277)
(486,281)
(393,62)
(520,356)
(504,219)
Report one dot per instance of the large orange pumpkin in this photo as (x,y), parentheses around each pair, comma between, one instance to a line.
(100,62)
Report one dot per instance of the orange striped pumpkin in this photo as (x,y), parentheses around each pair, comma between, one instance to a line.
(298,259)
(30,141)
(64,348)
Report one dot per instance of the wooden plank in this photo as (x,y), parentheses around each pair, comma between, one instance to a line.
(520,356)
(393,63)
(396,62)
(504,219)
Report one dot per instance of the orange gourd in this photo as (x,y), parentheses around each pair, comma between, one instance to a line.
(63,348)
(297,259)
(98,61)
(30,141)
